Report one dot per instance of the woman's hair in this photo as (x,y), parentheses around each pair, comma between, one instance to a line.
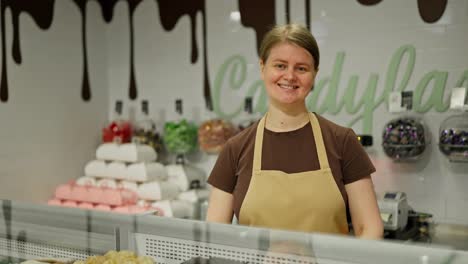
(290,33)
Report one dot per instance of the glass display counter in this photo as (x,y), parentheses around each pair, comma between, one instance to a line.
(30,231)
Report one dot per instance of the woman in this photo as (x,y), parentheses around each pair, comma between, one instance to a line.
(293,169)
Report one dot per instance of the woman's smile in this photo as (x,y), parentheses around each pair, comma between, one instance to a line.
(288,86)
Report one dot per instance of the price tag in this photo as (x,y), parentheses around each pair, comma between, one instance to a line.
(458,99)
(400,101)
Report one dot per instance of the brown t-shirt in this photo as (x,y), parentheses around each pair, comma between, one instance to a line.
(290,152)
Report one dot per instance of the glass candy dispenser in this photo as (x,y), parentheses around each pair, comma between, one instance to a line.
(180,135)
(404,138)
(453,138)
(145,131)
(119,130)
(180,138)
(213,133)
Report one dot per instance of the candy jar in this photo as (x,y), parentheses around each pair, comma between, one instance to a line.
(404,138)
(145,131)
(119,130)
(453,138)
(213,133)
(180,136)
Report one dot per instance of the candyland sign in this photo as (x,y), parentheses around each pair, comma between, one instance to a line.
(361,106)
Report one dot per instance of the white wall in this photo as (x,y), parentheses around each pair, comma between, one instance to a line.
(368,35)
(48,132)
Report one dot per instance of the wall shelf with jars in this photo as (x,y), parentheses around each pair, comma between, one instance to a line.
(453,131)
(405,137)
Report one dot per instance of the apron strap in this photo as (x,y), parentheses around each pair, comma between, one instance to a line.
(321,152)
(257,162)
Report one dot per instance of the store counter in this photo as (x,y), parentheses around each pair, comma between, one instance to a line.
(30,231)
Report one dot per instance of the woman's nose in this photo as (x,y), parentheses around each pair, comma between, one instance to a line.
(290,75)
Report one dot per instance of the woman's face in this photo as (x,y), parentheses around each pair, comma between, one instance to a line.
(288,74)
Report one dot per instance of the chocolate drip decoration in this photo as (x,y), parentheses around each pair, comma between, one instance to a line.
(206,77)
(107,8)
(132,93)
(431,10)
(170,12)
(250,17)
(369,2)
(42,13)
(85,87)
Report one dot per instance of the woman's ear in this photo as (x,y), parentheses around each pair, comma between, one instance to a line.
(262,64)
(262,67)
(315,75)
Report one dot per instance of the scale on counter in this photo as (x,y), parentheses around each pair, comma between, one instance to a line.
(394,210)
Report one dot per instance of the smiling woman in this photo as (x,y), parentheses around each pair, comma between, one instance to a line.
(288,74)
(293,169)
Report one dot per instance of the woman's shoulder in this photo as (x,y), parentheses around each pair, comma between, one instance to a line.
(244,137)
(246,133)
(330,126)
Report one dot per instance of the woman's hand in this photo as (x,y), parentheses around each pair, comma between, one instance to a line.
(220,207)
(365,213)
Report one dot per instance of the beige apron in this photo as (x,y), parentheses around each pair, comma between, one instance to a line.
(306,201)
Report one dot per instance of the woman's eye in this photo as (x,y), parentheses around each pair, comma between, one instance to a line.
(302,69)
(280,66)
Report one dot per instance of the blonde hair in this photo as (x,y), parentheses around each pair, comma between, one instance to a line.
(291,33)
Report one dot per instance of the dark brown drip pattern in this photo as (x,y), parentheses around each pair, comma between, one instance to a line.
(429,10)
(369,2)
(85,87)
(107,7)
(259,14)
(132,93)
(170,12)
(41,11)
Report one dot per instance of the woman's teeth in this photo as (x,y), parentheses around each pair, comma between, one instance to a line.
(285,86)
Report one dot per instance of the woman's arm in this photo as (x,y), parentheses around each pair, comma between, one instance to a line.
(220,206)
(365,213)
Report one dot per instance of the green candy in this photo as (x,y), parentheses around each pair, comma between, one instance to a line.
(180,137)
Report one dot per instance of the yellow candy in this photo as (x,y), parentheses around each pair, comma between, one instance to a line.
(145,260)
(114,257)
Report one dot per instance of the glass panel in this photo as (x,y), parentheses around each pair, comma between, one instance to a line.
(30,231)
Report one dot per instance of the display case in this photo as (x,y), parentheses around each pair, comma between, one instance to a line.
(37,231)
(453,138)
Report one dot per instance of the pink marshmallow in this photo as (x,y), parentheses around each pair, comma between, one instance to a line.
(64,191)
(54,202)
(86,205)
(102,207)
(70,204)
